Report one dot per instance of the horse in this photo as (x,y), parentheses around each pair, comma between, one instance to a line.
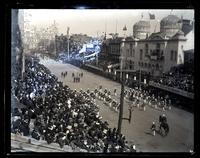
(164,128)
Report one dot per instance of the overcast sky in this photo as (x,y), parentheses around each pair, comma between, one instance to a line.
(91,21)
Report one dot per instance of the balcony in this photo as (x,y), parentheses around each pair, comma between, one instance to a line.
(157,55)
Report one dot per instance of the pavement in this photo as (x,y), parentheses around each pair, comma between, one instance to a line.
(181,123)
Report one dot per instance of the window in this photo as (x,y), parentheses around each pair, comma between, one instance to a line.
(149,65)
(146,49)
(157,66)
(158,46)
(127,52)
(172,54)
(141,54)
(133,53)
(131,49)
(175,55)
(162,53)
(145,64)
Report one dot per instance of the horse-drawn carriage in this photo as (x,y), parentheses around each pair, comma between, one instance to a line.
(164,127)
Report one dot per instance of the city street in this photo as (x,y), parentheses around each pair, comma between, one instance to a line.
(181,123)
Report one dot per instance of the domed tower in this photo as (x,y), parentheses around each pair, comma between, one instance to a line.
(141,29)
(170,25)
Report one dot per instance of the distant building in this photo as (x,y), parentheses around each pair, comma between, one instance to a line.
(110,49)
(155,52)
(76,42)
(188,29)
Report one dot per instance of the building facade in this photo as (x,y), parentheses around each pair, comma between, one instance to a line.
(110,49)
(154,52)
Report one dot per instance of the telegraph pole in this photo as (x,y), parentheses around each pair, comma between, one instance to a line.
(68,43)
(122,85)
(121,104)
(140,78)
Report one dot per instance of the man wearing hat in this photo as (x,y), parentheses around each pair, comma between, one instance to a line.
(153,128)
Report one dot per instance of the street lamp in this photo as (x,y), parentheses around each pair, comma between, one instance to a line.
(68,43)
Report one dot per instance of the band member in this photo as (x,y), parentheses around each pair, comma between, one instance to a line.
(153,128)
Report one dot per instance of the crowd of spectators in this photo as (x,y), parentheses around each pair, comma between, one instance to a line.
(55,113)
(176,79)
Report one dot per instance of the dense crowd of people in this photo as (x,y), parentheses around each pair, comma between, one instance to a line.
(178,80)
(55,113)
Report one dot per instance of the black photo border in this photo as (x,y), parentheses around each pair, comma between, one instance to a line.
(87,4)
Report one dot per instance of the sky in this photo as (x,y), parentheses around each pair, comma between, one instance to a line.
(94,22)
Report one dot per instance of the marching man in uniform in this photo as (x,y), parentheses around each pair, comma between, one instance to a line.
(153,128)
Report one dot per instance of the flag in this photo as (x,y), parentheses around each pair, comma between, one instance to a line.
(152,16)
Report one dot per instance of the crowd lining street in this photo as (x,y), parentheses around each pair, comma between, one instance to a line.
(180,137)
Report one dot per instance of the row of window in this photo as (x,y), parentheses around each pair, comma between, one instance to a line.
(159,52)
(148,65)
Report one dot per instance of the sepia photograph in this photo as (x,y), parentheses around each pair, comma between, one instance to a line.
(102,80)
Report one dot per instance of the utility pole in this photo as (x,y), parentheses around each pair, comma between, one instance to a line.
(140,78)
(68,43)
(122,85)
(96,59)
(121,104)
